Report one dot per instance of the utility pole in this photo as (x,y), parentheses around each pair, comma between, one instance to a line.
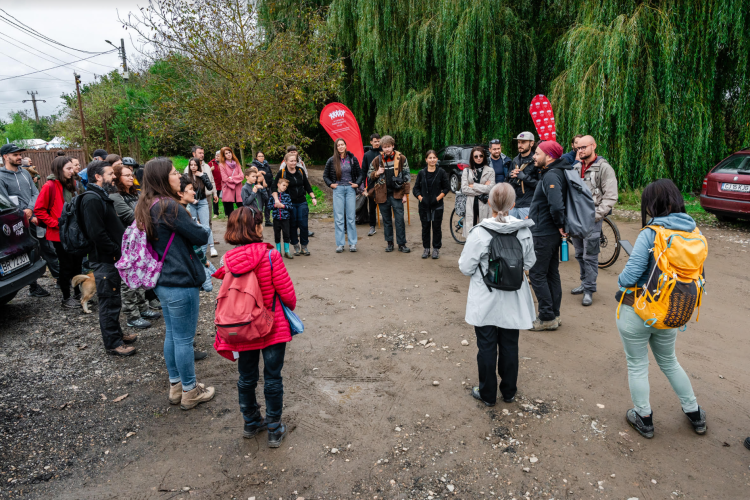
(80,109)
(121,50)
(34,100)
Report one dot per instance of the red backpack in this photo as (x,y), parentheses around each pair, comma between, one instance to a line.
(241,316)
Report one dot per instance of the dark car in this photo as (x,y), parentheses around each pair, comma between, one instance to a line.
(21,262)
(453,159)
(726,188)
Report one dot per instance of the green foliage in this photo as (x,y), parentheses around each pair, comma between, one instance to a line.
(18,128)
(323,206)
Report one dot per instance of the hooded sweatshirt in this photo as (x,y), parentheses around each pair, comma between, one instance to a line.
(548,204)
(513,310)
(19,187)
(254,258)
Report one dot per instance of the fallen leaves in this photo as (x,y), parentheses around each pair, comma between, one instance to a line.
(120,398)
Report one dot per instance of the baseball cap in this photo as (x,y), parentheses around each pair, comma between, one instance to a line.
(10,148)
(100,153)
(524,136)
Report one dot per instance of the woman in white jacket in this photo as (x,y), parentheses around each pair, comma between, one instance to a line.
(476,182)
(497,315)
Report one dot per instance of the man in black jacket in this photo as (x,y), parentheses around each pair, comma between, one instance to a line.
(366,161)
(523,175)
(105,230)
(548,213)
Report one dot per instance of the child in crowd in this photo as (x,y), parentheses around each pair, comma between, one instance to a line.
(253,190)
(187,196)
(281,217)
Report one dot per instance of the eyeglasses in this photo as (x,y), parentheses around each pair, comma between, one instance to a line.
(126,175)
(581,148)
(495,141)
(477,157)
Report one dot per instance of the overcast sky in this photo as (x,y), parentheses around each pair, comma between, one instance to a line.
(80,24)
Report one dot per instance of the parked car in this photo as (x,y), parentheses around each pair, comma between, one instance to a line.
(726,188)
(21,261)
(453,159)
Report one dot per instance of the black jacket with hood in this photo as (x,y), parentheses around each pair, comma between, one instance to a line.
(103,227)
(548,205)
(265,169)
(430,192)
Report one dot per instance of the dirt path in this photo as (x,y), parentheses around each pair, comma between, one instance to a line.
(359,381)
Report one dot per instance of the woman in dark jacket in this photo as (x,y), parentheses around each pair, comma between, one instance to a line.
(431,186)
(172,231)
(265,169)
(343,175)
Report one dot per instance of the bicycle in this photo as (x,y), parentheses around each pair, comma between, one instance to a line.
(609,243)
(457,227)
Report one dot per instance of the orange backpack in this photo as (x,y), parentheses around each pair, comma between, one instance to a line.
(241,316)
(676,285)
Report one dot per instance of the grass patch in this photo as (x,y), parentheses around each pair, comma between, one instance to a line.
(324,204)
(179,162)
(631,200)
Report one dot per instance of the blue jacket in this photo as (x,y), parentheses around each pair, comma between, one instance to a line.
(570,156)
(280,213)
(641,261)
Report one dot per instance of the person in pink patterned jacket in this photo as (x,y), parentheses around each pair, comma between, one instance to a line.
(232,177)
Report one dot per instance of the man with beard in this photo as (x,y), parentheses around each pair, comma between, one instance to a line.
(105,230)
(498,161)
(523,175)
(601,180)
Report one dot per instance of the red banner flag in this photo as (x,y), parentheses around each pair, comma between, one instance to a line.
(544,118)
(340,123)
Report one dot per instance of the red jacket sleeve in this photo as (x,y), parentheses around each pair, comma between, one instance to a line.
(44,202)
(282,282)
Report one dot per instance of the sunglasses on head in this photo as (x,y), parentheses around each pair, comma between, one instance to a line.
(495,141)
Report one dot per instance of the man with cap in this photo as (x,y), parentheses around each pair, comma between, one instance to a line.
(548,213)
(17,185)
(601,180)
(100,155)
(523,175)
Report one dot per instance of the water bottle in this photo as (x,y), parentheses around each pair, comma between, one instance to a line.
(564,250)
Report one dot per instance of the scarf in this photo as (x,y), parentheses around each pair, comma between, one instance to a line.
(231,164)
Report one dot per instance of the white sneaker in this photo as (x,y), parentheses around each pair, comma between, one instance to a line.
(214,216)
(214,253)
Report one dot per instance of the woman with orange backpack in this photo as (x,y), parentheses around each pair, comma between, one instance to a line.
(654,304)
(251,320)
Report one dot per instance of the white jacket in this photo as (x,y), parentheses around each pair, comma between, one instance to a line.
(511,310)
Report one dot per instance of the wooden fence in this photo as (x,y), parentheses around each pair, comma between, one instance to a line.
(41,159)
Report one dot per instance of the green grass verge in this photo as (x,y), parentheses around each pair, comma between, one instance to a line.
(179,162)
(631,200)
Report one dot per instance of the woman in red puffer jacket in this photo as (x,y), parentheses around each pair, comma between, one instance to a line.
(245,227)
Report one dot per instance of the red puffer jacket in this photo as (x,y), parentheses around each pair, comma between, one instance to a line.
(49,206)
(254,257)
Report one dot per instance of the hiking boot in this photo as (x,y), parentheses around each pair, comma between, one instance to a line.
(175,393)
(214,253)
(389,247)
(122,350)
(71,303)
(35,290)
(637,423)
(372,231)
(154,304)
(276,434)
(340,249)
(353,248)
(254,427)
(426,253)
(404,249)
(129,338)
(559,321)
(310,234)
(150,314)
(475,394)
(539,325)
(577,290)
(139,323)
(435,253)
(698,420)
(297,249)
(198,355)
(199,394)
(587,299)
(305,251)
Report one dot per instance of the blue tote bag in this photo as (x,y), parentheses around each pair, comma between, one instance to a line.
(295,323)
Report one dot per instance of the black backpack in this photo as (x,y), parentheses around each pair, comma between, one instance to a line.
(72,234)
(505,270)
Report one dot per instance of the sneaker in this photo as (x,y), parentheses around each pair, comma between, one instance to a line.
(214,216)
(122,350)
(71,303)
(297,249)
(404,249)
(269,223)
(175,393)
(389,248)
(372,231)
(199,394)
(214,253)
(276,434)
(129,338)
(577,290)
(475,394)
(35,290)
(426,253)
(154,304)
(77,296)
(353,248)
(539,325)
(340,249)
(637,423)
(559,321)
(255,427)
(305,251)
(698,420)
(310,234)
(139,323)
(150,314)
(509,400)
(587,299)
(198,355)
(435,253)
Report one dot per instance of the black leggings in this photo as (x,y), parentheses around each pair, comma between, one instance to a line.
(281,226)
(229,207)
(216,204)
(70,266)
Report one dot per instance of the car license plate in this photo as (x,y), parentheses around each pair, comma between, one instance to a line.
(737,188)
(14,263)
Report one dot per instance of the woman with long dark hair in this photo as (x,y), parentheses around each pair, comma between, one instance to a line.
(231,175)
(172,234)
(299,186)
(476,183)
(431,186)
(199,175)
(661,205)
(59,189)
(344,175)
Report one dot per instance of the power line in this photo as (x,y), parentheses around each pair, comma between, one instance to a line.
(40,35)
(32,67)
(56,59)
(58,66)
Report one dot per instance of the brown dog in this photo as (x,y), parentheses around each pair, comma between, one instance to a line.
(88,289)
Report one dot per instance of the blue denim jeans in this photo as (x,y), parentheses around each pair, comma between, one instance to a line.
(180,309)
(298,219)
(344,210)
(202,212)
(398,215)
(273,388)
(519,213)
(636,337)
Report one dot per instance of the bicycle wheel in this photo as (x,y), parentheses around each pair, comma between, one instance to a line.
(457,227)
(609,243)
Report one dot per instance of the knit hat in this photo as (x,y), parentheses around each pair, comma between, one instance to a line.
(551,148)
